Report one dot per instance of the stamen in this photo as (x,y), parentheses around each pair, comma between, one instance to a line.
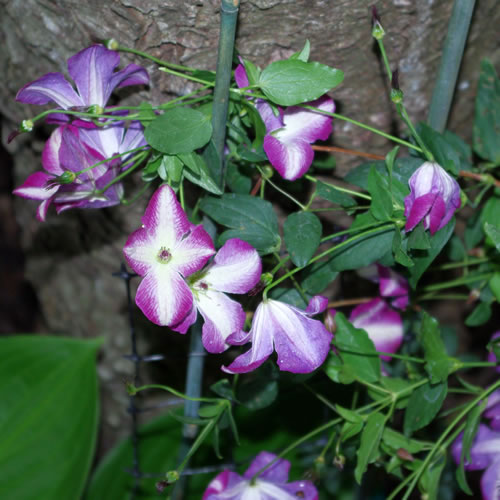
(164,255)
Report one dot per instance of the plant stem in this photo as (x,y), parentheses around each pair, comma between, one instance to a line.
(283,192)
(160,62)
(229,16)
(341,189)
(458,28)
(457,282)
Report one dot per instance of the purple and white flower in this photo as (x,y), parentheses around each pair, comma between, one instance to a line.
(235,269)
(484,454)
(392,284)
(93,71)
(270,485)
(434,197)
(165,250)
(76,147)
(301,343)
(383,325)
(289,135)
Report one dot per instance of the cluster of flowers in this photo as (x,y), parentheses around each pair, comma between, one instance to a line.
(170,253)
(485,449)
(69,178)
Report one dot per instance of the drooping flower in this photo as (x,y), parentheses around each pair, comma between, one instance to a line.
(383,325)
(69,150)
(235,269)
(164,251)
(93,71)
(484,454)
(392,284)
(270,485)
(434,197)
(301,343)
(289,135)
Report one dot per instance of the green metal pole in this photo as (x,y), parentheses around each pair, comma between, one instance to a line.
(458,28)
(228,18)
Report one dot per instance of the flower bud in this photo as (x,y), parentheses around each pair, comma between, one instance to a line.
(67,177)
(172,476)
(26,126)
(396,93)
(330,323)
(434,197)
(111,44)
(267,172)
(95,109)
(377,31)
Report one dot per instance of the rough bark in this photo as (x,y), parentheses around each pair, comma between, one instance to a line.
(70,258)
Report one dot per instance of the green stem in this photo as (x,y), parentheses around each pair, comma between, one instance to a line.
(366,127)
(464,263)
(111,158)
(160,62)
(229,16)
(141,191)
(406,118)
(341,189)
(283,192)
(323,254)
(381,46)
(457,282)
(458,28)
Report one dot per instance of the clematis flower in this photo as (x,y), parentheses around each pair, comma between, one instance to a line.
(93,71)
(301,343)
(392,284)
(270,485)
(72,148)
(235,269)
(289,135)
(484,454)
(383,325)
(165,250)
(434,197)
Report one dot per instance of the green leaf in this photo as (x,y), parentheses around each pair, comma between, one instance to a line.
(210,410)
(292,81)
(328,192)
(250,219)
(493,233)
(48,388)
(370,440)
(351,429)
(419,238)
(487,114)
(170,169)
(337,371)
(443,152)
(349,415)
(356,350)
(316,277)
(224,389)
(424,258)
(302,231)
(381,205)
(425,403)
(494,284)
(236,179)
(395,440)
(471,427)
(260,389)
(303,55)
(111,481)
(480,314)
(489,215)
(179,130)
(430,479)
(198,173)
(438,364)
(363,251)
(146,113)
(398,249)
(252,71)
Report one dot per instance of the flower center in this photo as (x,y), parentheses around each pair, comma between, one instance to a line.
(203,285)
(163,255)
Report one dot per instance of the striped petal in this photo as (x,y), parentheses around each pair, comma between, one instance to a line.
(236,268)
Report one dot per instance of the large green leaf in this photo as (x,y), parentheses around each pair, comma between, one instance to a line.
(179,130)
(49,416)
(158,444)
(487,114)
(370,440)
(302,231)
(293,81)
(250,219)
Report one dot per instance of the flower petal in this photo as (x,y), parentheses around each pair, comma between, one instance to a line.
(291,160)
(222,316)
(163,296)
(91,70)
(490,481)
(383,325)
(130,75)
(236,268)
(240,76)
(277,473)
(50,153)
(35,187)
(418,210)
(317,305)
(192,252)
(50,87)
(184,325)
(140,251)
(436,216)
(266,112)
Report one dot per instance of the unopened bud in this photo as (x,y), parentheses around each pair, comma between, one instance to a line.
(330,323)
(161,485)
(95,109)
(339,461)
(267,172)
(396,93)
(67,177)
(405,455)
(26,126)
(172,476)
(111,44)
(377,31)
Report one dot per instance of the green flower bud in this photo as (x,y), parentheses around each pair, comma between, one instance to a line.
(95,109)
(267,172)
(67,177)
(172,476)
(377,31)
(266,279)
(397,96)
(26,126)
(111,44)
